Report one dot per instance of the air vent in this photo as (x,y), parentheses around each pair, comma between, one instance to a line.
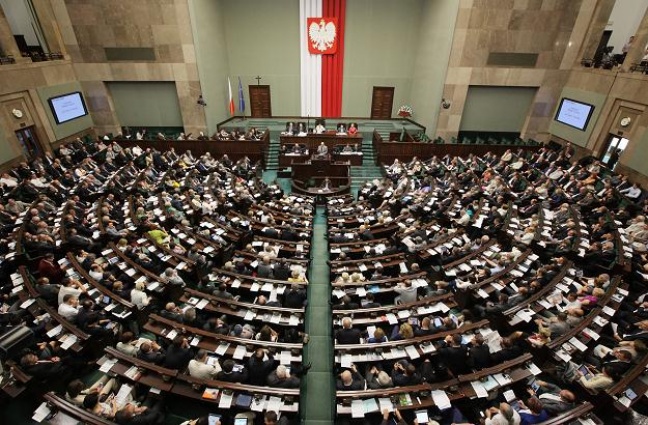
(526,60)
(130,53)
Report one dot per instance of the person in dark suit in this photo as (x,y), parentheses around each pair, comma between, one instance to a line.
(294,297)
(479,356)
(259,367)
(350,380)
(79,241)
(229,374)
(151,352)
(281,378)
(264,269)
(282,270)
(348,335)
(91,321)
(554,400)
(130,414)
(270,232)
(454,355)
(510,350)
(43,369)
(289,235)
(178,354)
(405,374)
(346,304)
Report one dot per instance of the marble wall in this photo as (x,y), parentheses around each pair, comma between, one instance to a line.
(88,27)
(553,30)
(19,89)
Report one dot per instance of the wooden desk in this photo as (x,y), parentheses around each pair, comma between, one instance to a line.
(74,411)
(209,341)
(235,149)
(339,186)
(286,160)
(319,168)
(376,315)
(330,138)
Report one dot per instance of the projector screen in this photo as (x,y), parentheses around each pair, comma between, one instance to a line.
(573,113)
(67,107)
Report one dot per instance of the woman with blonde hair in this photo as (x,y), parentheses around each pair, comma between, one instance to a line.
(404,332)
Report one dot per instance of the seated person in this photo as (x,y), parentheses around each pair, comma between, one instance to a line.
(319,127)
(77,390)
(350,380)
(504,415)
(377,378)
(347,149)
(296,149)
(301,129)
(230,372)
(104,409)
(281,377)
(326,184)
(322,150)
(341,129)
(532,412)
(152,413)
(353,129)
(223,135)
(554,399)
(290,128)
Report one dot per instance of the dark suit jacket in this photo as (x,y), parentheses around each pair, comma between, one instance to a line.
(233,376)
(479,357)
(455,358)
(348,336)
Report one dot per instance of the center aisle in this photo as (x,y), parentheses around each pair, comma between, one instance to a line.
(318,391)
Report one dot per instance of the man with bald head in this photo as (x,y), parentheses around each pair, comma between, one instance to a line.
(554,400)
(350,380)
(505,415)
(347,335)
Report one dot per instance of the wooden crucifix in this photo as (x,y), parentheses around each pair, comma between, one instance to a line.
(258,78)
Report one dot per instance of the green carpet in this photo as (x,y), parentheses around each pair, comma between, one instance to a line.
(318,389)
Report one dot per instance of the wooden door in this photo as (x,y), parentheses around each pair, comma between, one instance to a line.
(29,142)
(382,103)
(260,102)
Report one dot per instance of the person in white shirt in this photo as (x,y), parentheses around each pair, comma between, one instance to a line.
(130,345)
(38,182)
(407,293)
(198,367)
(527,236)
(505,415)
(632,192)
(72,287)
(70,307)
(8,181)
(139,297)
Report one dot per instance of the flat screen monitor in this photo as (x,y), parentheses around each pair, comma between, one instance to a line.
(573,113)
(68,107)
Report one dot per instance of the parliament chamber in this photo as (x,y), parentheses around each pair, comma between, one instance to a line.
(225,212)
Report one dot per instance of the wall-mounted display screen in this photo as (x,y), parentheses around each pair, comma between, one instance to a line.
(68,107)
(573,113)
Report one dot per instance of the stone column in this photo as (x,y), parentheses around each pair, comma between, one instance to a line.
(601,18)
(7,42)
(49,26)
(636,52)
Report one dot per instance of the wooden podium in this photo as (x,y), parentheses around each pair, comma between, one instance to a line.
(309,176)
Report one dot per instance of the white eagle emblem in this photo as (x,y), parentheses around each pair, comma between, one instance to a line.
(322,35)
